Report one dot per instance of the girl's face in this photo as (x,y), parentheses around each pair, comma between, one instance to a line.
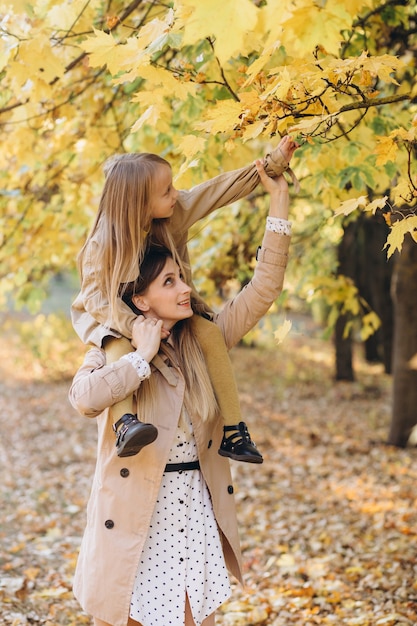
(164,196)
(167,297)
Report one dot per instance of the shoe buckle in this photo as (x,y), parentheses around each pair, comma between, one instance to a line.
(121,434)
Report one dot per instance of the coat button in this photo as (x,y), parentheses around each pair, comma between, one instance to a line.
(210,443)
(230,489)
(124,472)
(109,523)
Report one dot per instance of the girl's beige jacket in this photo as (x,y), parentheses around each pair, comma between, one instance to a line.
(125,490)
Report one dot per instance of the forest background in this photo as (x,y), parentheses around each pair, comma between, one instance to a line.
(210,86)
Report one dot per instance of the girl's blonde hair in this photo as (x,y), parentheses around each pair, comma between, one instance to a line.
(124,219)
(184,349)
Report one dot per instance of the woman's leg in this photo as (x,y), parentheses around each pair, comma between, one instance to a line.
(209,621)
(99,622)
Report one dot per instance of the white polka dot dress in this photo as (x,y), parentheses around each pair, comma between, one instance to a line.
(183,553)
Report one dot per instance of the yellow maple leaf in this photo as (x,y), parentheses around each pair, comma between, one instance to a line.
(222,117)
(100,48)
(150,117)
(149,33)
(129,55)
(188,164)
(379,203)
(62,16)
(311,25)
(356,6)
(348,206)
(383,66)
(280,86)
(398,231)
(190,145)
(370,323)
(253,130)
(282,331)
(160,77)
(366,79)
(250,101)
(386,150)
(310,125)
(261,61)
(38,59)
(402,192)
(228,22)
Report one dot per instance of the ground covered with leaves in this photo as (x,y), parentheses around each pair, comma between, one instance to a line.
(328,522)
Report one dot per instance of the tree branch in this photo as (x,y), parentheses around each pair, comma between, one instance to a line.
(367,104)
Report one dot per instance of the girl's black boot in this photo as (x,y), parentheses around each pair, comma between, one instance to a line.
(132,435)
(238,445)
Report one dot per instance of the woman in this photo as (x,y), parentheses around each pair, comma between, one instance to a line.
(161,526)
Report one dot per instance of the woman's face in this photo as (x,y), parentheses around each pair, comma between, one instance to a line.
(164,196)
(167,297)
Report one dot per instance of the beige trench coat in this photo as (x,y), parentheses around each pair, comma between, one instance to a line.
(89,309)
(125,490)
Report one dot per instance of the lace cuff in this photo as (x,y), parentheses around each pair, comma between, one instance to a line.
(141,366)
(278,225)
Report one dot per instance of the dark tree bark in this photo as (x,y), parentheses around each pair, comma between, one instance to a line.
(374,274)
(347,258)
(404,291)
(344,351)
(362,258)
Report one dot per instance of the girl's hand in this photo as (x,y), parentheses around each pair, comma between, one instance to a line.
(147,333)
(287,146)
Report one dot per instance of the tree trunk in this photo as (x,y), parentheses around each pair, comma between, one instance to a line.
(347,258)
(344,367)
(377,271)
(362,258)
(404,292)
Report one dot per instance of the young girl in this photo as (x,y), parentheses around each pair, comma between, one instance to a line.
(139,204)
(161,526)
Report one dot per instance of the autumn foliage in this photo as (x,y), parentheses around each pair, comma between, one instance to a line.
(210,85)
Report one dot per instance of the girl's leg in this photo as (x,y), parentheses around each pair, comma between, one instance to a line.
(209,621)
(115,348)
(237,443)
(131,434)
(219,368)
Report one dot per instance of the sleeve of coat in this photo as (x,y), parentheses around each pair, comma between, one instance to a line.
(241,313)
(221,191)
(97,386)
(89,311)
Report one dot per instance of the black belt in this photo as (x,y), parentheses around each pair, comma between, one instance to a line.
(179,467)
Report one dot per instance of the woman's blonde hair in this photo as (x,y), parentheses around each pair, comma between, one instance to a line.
(124,219)
(183,350)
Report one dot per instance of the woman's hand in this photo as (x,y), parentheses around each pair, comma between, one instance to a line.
(278,190)
(271,185)
(147,333)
